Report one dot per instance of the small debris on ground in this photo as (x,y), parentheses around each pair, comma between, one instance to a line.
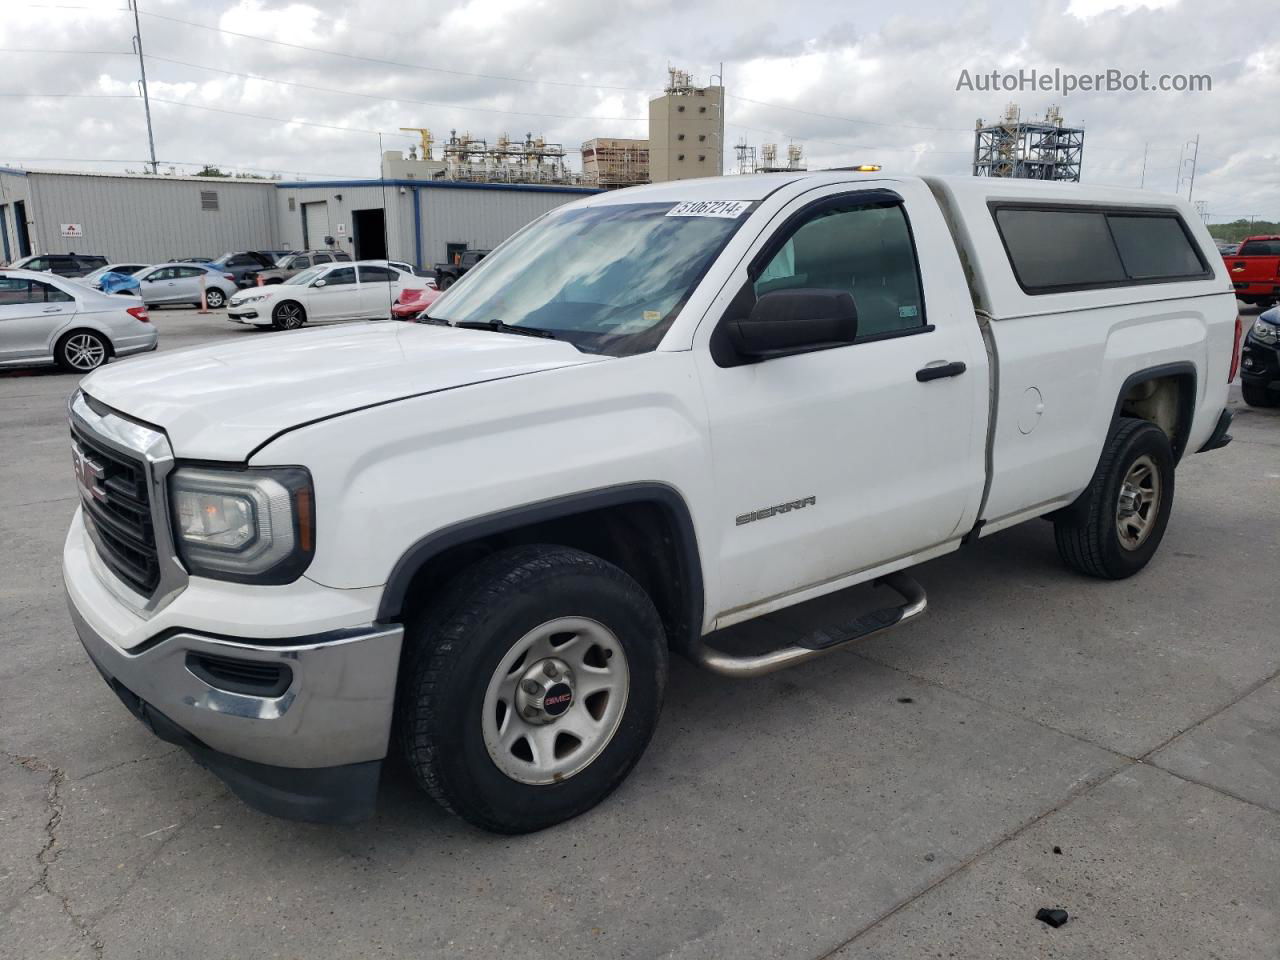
(1054,918)
(1058,851)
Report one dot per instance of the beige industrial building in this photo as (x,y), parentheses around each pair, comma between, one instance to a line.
(686,130)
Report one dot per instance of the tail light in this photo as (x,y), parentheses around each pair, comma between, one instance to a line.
(139,313)
(1235,350)
(229,276)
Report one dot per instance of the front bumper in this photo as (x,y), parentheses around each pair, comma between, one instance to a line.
(1260,362)
(314,752)
(309,746)
(245,315)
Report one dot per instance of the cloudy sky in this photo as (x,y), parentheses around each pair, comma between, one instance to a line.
(303,88)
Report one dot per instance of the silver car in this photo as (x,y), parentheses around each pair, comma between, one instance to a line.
(180,283)
(48,319)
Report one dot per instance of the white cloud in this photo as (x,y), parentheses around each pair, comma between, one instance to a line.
(889,72)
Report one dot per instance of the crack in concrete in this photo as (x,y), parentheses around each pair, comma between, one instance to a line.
(125,763)
(49,852)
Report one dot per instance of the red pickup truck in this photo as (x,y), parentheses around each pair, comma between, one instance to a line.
(1255,270)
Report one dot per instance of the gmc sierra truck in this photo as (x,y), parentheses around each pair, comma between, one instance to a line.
(647,416)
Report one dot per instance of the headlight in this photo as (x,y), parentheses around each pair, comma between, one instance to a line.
(249,526)
(1265,332)
(237,301)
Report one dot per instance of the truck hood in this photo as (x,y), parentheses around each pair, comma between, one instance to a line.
(223,401)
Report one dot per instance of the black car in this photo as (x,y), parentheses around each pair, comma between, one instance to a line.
(61,264)
(244,266)
(447,274)
(1260,361)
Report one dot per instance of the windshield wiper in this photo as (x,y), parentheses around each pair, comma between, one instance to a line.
(423,318)
(497,326)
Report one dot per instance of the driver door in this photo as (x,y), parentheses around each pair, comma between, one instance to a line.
(338,299)
(838,460)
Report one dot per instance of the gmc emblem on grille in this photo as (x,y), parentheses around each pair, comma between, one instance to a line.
(89,474)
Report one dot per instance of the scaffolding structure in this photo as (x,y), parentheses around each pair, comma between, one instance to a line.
(1028,149)
(531,160)
(611,163)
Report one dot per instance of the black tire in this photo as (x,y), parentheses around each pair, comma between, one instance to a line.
(454,649)
(444,283)
(214,298)
(1086,532)
(1257,395)
(289,315)
(81,351)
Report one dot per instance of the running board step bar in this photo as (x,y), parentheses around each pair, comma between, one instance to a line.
(822,640)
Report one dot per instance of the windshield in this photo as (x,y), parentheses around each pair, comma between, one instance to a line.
(305,277)
(607,279)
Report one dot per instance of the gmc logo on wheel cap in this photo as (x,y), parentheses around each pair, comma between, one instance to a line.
(557,699)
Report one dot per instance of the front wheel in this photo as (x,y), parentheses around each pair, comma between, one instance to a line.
(531,687)
(214,298)
(288,316)
(1115,526)
(444,283)
(1257,395)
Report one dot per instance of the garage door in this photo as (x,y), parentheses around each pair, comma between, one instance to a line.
(315,225)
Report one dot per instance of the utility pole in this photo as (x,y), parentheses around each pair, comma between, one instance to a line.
(1194,157)
(142,66)
(1142,183)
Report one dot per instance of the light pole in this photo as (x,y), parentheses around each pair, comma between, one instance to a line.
(142,66)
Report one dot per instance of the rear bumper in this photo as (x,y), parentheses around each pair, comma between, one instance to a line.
(1220,437)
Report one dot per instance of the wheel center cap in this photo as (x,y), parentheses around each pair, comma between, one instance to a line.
(1129,500)
(545,691)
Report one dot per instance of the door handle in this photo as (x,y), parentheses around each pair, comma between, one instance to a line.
(51,310)
(940,370)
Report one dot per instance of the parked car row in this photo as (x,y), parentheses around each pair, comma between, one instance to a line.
(365,290)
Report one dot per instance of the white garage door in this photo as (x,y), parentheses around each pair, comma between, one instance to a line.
(315,219)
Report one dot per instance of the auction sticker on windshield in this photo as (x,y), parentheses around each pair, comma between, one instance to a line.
(729,209)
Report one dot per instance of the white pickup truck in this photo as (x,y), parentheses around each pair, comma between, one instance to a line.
(649,415)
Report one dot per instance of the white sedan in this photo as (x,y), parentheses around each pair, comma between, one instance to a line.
(364,290)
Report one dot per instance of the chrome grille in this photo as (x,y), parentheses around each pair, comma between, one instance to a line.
(113,489)
(121,467)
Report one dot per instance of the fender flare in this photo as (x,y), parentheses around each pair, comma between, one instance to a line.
(1183,369)
(391,606)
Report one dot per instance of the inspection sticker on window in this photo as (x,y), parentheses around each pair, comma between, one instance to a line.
(727,209)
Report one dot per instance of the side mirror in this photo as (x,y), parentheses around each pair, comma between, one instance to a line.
(795,321)
(320,283)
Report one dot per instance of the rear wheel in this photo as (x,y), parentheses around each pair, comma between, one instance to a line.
(444,283)
(1114,528)
(81,351)
(531,687)
(214,298)
(1257,395)
(288,316)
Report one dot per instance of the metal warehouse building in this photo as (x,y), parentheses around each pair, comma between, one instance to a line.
(149,218)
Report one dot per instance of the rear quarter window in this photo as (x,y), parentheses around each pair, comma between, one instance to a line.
(1061,249)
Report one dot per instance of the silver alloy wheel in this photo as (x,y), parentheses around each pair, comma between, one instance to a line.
(84,351)
(289,315)
(555,700)
(1138,503)
(214,297)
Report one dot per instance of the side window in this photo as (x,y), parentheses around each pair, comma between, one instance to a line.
(301,263)
(340,277)
(375,274)
(15,291)
(342,256)
(1057,250)
(322,258)
(186,272)
(242,261)
(39,263)
(864,251)
(165,274)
